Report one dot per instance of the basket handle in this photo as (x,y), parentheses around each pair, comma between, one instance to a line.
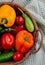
(41,42)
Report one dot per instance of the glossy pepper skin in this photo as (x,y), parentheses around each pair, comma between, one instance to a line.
(7,14)
(24,41)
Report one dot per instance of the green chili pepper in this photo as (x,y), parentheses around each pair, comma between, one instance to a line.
(6,30)
(28,22)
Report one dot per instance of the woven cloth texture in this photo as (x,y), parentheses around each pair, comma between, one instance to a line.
(37,8)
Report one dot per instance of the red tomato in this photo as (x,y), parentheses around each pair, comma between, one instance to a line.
(7,41)
(17,56)
(19,20)
(17,29)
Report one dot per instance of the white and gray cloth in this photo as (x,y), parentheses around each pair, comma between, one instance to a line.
(37,8)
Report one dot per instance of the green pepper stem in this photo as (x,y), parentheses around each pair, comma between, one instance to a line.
(4,21)
(25,38)
(11,29)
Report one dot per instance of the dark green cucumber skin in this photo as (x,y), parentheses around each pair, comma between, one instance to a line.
(6,56)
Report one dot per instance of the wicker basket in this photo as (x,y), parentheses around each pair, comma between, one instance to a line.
(33,49)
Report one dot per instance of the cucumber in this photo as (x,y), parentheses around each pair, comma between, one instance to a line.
(6,56)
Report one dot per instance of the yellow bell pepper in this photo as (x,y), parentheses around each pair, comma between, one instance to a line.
(8,14)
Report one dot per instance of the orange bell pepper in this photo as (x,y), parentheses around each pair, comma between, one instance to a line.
(24,41)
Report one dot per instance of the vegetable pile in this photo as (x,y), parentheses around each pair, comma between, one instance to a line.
(16,34)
